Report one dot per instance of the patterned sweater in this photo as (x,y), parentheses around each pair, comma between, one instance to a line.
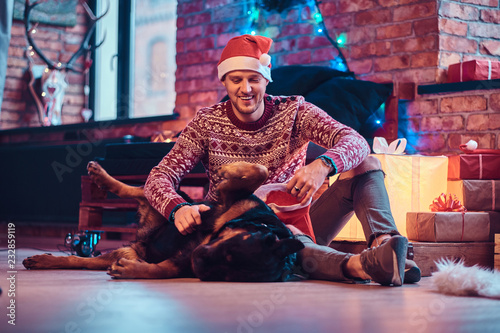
(278,140)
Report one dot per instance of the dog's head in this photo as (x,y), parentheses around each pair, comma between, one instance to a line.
(242,255)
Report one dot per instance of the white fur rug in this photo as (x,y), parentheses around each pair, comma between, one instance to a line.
(454,278)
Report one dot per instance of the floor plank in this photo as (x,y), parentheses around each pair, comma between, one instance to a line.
(89,301)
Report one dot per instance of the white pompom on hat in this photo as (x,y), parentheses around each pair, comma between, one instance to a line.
(246,52)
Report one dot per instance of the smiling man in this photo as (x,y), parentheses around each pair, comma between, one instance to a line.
(274,131)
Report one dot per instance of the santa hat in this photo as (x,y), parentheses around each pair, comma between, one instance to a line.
(246,52)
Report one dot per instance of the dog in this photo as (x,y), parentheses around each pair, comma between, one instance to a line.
(240,238)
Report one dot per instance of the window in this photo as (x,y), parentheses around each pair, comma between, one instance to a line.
(135,66)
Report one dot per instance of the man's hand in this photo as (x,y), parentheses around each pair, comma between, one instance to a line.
(188,217)
(308,180)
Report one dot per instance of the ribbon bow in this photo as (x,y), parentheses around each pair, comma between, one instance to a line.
(397,147)
(447,203)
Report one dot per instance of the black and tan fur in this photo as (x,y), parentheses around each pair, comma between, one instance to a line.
(240,238)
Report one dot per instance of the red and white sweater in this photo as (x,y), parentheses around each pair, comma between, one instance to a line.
(278,141)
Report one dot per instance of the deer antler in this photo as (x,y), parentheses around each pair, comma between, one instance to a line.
(84,49)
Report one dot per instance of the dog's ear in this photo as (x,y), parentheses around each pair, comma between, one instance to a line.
(287,246)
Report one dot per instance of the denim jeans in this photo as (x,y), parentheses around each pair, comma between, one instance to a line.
(364,195)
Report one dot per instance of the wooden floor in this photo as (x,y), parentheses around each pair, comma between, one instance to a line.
(90,301)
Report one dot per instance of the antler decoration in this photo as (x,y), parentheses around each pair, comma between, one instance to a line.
(447,203)
(49,102)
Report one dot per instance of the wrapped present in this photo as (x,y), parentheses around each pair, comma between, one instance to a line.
(412,181)
(477,195)
(474,70)
(448,226)
(474,166)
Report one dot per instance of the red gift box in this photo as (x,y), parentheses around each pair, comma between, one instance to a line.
(474,70)
(474,166)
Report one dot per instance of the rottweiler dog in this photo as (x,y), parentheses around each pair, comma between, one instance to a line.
(240,238)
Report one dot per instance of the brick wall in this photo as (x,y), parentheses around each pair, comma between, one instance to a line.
(58,44)
(387,41)
(437,124)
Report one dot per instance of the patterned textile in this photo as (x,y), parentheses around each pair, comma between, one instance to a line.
(278,141)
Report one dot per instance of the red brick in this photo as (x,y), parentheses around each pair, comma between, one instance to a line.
(299,58)
(312,42)
(426,43)
(328,8)
(483,122)
(463,104)
(360,35)
(218,28)
(446,124)
(189,58)
(421,107)
(459,11)
(394,31)
(189,7)
(483,140)
(372,17)
(495,102)
(227,12)
(296,29)
(458,44)
(216,3)
(370,50)
(453,27)
(292,16)
(416,11)
(12,108)
(484,30)
(223,39)
(424,59)
(425,27)
(323,54)
(448,58)
(286,45)
(388,3)
(198,19)
(180,23)
(14,95)
(430,143)
(391,63)
(361,66)
(491,16)
(490,47)
(196,71)
(488,3)
(378,77)
(200,44)
(345,6)
(192,32)
(339,22)
(418,75)
(203,97)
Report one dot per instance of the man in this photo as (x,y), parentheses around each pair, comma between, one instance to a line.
(275,132)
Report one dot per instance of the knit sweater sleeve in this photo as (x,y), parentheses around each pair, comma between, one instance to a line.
(346,147)
(164,179)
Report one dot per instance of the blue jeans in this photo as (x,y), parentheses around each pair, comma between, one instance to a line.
(364,195)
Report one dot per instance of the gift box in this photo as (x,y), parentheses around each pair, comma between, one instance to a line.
(477,195)
(474,166)
(448,226)
(412,182)
(474,70)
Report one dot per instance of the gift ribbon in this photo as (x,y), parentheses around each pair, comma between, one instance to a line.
(493,197)
(447,203)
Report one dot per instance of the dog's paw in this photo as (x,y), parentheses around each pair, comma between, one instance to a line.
(41,261)
(129,269)
(98,175)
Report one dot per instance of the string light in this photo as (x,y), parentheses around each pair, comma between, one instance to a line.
(256,25)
